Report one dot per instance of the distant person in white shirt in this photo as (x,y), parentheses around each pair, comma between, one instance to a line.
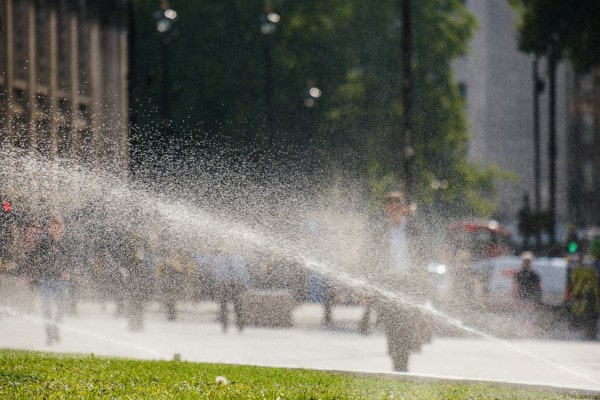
(405,328)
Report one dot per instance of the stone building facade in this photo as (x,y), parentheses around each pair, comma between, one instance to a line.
(584,149)
(497,82)
(64,79)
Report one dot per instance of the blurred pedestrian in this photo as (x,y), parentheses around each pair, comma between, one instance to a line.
(109,278)
(138,280)
(172,282)
(204,273)
(528,282)
(405,326)
(231,279)
(46,266)
(323,287)
(527,290)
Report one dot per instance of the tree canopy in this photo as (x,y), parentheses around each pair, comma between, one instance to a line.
(350,50)
(560,29)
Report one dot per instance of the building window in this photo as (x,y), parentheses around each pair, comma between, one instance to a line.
(19,129)
(64,141)
(3,131)
(85,145)
(587,127)
(42,33)
(586,83)
(84,56)
(20,36)
(44,142)
(3,19)
(64,48)
(588,175)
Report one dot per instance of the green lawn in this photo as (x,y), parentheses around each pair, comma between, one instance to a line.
(31,375)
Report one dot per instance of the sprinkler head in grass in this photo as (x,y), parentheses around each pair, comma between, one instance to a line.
(221,380)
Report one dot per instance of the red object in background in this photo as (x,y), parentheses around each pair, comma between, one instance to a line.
(490,236)
(6,206)
(480,226)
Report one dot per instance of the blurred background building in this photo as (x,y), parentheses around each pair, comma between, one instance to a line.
(63,79)
(584,149)
(64,93)
(498,83)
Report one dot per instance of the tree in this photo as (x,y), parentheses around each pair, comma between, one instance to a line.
(560,29)
(350,50)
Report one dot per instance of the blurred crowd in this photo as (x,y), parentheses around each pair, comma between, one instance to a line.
(76,259)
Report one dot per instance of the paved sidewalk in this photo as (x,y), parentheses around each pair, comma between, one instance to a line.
(558,360)
(196,336)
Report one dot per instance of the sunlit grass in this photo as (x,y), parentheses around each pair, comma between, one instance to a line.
(31,375)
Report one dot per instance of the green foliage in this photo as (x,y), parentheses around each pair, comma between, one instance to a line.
(348,49)
(561,29)
(28,375)
(595,248)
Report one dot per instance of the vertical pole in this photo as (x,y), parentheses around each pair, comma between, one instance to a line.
(53,78)
(31,93)
(407,145)
(537,89)
(130,55)
(89,147)
(269,125)
(267,28)
(9,77)
(165,43)
(76,21)
(164,96)
(552,61)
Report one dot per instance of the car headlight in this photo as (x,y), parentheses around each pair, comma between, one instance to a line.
(439,269)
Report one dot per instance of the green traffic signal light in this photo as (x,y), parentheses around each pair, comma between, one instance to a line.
(572,247)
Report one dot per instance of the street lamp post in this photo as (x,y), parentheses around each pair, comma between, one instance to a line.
(408,152)
(268,24)
(538,88)
(438,185)
(552,64)
(311,95)
(165,19)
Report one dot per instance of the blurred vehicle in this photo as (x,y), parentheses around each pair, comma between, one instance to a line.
(482,240)
(498,275)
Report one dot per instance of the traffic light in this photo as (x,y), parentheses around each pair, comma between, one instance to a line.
(572,247)
(572,243)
